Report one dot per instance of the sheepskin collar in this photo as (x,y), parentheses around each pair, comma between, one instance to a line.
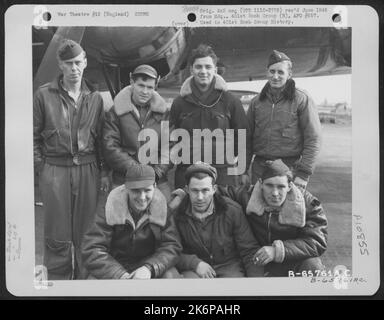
(123,102)
(288,92)
(117,210)
(186,89)
(292,211)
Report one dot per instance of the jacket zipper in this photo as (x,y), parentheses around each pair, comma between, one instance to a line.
(201,242)
(145,119)
(268,226)
(270,129)
(69,123)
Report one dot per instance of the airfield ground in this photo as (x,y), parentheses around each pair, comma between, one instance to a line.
(331,183)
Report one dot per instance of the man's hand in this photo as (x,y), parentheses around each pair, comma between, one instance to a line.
(204,270)
(125,276)
(141,273)
(105,184)
(244,180)
(264,256)
(300,183)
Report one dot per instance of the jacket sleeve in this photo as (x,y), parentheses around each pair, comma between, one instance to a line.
(38,126)
(239,194)
(96,247)
(311,128)
(239,120)
(246,244)
(116,157)
(168,249)
(99,142)
(311,240)
(174,114)
(188,262)
(162,169)
(251,123)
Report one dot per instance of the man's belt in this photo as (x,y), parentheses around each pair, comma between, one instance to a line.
(76,160)
(262,158)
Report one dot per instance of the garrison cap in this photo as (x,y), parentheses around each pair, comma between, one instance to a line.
(277,56)
(69,49)
(201,167)
(275,168)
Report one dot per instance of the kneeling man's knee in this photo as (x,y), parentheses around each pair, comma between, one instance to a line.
(311,264)
(171,273)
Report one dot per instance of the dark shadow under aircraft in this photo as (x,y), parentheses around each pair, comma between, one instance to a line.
(113,52)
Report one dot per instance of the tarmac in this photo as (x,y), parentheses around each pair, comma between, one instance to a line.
(331,183)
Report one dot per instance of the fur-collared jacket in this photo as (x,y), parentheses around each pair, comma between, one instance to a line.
(121,130)
(224,111)
(298,230)
(288,127)
(114,244)
(232,240)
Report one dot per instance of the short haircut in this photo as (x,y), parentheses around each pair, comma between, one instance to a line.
(142,76)
(202,51)
(200,176)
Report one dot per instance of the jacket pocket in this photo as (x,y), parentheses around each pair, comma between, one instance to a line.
(188,119)
(289,133)
(48,133)
(51,137)
(220,120)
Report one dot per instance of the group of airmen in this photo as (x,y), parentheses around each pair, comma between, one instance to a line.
(107,215)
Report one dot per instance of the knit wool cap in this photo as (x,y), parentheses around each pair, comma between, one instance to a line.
(69,49)
(201,167)
(277,56)
(275,168)
(139,176)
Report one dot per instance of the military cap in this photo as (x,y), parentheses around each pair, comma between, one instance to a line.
(277,56)
(275,168)
(139,176)
(201,167)
(69,49)
(147,70)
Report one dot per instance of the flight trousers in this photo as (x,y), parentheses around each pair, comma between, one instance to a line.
(69,195)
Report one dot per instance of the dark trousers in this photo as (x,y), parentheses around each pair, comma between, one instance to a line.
(299,268)
(224,270)
(69,201)
(171,273)
(223,178)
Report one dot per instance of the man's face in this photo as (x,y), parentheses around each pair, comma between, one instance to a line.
(203,71)
(140,199)
(275,190)
(73,68)
(142,91)
(278,74)
(201,192)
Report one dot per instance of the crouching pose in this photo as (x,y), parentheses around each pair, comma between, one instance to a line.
(289,224)
(133,237)
(216,237)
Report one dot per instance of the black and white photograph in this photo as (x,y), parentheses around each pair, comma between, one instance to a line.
(202,156)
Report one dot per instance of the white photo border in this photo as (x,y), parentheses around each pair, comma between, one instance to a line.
(19,184)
